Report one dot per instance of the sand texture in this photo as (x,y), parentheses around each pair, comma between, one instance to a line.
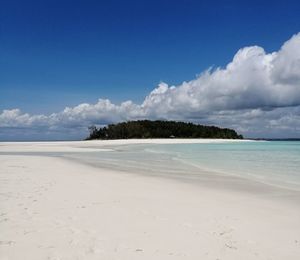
(53,208)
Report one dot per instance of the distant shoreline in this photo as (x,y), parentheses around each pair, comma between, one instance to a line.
(96,142)
(83,140)
(275,139)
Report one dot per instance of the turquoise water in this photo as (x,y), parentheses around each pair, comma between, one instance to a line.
(273,162)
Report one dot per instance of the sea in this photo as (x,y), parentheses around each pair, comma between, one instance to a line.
(271,162)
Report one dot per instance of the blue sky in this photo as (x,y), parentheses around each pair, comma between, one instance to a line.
(55,54)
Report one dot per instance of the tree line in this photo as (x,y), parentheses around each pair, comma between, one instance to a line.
(160,129)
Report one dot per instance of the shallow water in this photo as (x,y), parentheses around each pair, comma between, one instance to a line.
(273,162)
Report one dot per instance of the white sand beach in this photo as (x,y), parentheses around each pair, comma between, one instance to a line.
(54,208)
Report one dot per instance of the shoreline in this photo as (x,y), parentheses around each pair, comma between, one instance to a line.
(55,208)
(230,179)
(213,180)
(95,145)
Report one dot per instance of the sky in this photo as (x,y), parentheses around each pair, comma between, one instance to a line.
(65,65)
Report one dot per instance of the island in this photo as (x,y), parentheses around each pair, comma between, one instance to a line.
(160,129)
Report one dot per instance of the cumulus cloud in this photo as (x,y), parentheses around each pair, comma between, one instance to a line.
(257,93)
(254,79)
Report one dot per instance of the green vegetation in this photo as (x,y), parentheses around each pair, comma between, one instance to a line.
(160,129)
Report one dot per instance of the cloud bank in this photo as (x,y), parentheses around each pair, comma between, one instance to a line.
(257,93)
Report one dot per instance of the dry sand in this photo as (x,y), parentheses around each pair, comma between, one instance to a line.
(52,208)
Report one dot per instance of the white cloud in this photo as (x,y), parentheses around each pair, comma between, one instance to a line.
(15,118)
(257,93)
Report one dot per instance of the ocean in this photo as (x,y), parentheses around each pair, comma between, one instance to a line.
(272,162)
